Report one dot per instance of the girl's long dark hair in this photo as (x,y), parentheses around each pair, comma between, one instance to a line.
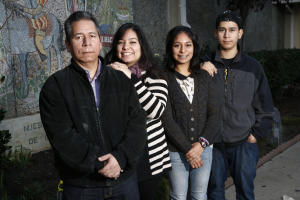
(169,61)
(146,62)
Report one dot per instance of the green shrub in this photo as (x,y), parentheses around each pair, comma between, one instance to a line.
(290,120)
(19,157)
(163,189)
(5,136)
(281,68)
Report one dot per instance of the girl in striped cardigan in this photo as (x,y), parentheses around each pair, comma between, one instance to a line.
(131,54)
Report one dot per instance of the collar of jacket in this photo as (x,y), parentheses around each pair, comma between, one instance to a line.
(236,59)
(182,77)
(80,70)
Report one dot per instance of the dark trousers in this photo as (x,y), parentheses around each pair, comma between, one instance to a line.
(149,188)
(127,190)
(240,161)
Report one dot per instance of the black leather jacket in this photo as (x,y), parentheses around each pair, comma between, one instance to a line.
(80,132)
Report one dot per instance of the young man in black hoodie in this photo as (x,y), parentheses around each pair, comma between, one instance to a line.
(246,112)
(93,119)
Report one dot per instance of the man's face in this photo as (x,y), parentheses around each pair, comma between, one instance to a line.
(85,44)
(228,34)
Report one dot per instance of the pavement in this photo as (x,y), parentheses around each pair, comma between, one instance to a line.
(278,174)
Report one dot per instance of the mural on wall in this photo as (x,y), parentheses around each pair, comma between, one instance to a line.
(29,37)
(32,46)
(109,13)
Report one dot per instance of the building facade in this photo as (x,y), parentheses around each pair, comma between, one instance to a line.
(32,43)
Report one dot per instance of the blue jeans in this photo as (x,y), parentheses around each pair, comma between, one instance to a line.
(182,174)
(127,190)
(241,161)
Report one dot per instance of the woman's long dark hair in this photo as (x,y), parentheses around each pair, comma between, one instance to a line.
(146,61)
(169,61)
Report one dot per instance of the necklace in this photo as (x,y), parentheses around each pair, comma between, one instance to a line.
(187,87)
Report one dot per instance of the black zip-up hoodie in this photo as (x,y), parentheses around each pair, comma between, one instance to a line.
(247,100)
(80,132)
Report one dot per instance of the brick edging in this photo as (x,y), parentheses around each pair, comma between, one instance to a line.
(269,156)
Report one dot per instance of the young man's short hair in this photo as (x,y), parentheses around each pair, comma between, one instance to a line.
(229,15)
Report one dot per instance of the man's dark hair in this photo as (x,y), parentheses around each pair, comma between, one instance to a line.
(146,61)
(170,62)
(77,16)
(229,15)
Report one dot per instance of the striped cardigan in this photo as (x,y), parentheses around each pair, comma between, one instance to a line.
(153,94)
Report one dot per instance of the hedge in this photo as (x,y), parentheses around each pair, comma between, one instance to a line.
(282,67)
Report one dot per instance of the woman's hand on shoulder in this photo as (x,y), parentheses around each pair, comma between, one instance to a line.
(209,67)
(121,67)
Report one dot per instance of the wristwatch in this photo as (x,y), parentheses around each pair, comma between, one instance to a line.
(203,142)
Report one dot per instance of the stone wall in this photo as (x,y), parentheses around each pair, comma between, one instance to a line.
(201,16)
(152,16)
(263,29)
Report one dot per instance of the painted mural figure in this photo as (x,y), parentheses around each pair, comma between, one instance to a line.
(38,22)
(26,29)
(75,5)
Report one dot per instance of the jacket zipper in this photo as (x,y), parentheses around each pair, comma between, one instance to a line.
(98,116)
(100,130)
(226,77)
(226,70)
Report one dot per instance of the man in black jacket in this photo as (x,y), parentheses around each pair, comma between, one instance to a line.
(246,113)
(93,120)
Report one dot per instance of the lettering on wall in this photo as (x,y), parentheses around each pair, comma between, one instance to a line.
(33,126)
(106,39)
(27,133)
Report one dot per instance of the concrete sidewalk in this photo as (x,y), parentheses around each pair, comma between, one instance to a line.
(277,176)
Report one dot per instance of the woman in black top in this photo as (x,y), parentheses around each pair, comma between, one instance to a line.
(191,119)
